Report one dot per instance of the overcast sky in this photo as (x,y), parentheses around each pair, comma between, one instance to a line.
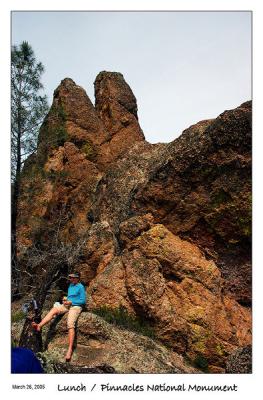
(182,66)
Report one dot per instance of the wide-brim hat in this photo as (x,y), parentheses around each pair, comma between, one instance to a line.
(74,275)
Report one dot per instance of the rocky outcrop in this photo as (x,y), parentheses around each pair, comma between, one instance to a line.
(168,282)
(202,191)
(71,118)
(240,362)
(162,231)
(122,351)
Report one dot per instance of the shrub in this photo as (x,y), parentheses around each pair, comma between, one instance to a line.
(89,150)
(17,316)
(120,317)
(55,176)
(201,363)
(48,360)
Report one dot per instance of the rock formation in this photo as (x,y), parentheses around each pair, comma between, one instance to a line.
(160,230)
(240,362)
(100,343)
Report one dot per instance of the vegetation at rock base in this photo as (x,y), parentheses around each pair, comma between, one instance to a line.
(120,317)
(201,363)
(17,317)
(48,360)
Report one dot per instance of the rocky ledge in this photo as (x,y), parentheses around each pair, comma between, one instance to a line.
(103,346)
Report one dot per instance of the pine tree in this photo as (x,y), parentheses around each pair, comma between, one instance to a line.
(28,108)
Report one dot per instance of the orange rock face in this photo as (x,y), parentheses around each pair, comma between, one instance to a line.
(161,230)
(172,283)
(202,192)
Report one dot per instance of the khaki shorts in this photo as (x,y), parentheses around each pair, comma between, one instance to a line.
(73,314)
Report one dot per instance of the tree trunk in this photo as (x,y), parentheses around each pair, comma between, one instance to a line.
(14,208)
(30,338)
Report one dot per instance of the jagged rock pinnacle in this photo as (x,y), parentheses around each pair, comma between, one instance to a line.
(111,87)
(105,131)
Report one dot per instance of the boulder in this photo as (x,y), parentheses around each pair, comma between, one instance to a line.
(100,343)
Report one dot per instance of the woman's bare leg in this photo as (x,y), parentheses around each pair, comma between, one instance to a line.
(54,311)
(71,336)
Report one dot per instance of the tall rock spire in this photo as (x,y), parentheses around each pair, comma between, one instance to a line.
(104,132)
(72,118)
(116,106)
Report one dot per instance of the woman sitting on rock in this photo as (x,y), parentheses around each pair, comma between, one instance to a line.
(72,304)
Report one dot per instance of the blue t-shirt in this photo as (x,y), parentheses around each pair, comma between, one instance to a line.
(24,361)
(77,294)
